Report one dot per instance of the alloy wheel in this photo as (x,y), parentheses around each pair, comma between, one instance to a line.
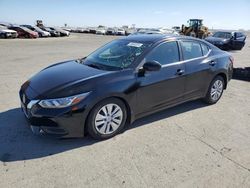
(216,90)
(108,119)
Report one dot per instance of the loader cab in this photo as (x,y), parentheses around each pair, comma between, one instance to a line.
(195,23)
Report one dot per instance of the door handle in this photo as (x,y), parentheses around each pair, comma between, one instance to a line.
(179,72)
(212,63)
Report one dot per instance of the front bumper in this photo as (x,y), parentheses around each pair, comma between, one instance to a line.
(11,35)
(65,123)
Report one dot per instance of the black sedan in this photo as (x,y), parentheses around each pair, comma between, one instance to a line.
(228,40)
(122,81)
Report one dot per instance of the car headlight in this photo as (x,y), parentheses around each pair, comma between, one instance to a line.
(63,102)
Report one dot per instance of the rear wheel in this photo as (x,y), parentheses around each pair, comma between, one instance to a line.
(215,90)
(107,119)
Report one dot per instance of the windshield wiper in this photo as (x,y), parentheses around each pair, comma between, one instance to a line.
(95,66)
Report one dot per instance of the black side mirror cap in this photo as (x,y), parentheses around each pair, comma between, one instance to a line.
(152,66)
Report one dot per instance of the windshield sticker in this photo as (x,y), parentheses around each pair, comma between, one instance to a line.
(135,44)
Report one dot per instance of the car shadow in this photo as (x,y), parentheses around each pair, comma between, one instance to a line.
(232,51)
(18,143)
(241,73)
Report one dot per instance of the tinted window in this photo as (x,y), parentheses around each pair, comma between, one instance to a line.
(224,35)
(164,53)
(191,50)
(205,49)
(238,35)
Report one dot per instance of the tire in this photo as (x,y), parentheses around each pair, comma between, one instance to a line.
(102,126)
(215,90)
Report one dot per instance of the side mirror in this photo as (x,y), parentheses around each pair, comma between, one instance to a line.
(152,66)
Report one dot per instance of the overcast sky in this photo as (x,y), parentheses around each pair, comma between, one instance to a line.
(217,14)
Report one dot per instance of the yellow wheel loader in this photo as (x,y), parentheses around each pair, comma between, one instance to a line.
(195,28)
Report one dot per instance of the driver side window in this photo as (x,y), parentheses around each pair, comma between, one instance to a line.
(165,53)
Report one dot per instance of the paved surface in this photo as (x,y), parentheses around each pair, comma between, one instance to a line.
(192,145)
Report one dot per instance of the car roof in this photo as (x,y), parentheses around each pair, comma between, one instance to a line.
(152,38)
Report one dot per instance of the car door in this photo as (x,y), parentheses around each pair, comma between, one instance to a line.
(164,87)
(198,66)
(239,41)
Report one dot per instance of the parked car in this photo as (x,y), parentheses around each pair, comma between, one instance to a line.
(120,31)
(61,31)
(177,28)
(110,31)
(130,31)
(169,31)
(101,31)
(92,30)
(156,31)
(24,32)
(7,33)
(40,32)
(147,31)
(67,29)
(86,30)
(81,30)
(227,40)
(53,33)
(124,80)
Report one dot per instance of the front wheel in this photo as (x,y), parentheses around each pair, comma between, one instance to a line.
(107,119)
(215,90)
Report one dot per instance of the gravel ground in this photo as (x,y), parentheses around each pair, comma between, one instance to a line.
(191,145)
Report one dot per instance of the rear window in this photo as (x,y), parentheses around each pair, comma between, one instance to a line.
(191,50)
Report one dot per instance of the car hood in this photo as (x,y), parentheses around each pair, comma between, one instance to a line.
(61,75)
(215,39)
(45,32)
(8,30)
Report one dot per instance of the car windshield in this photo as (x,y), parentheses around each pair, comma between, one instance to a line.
(224,35)
(38,29)
(59,29)
(48,29)
(26,29)
(3,27)
(116,55)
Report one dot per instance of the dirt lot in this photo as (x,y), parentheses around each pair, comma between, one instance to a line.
(191,145)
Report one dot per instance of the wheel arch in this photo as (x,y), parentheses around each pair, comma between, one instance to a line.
(224,76)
